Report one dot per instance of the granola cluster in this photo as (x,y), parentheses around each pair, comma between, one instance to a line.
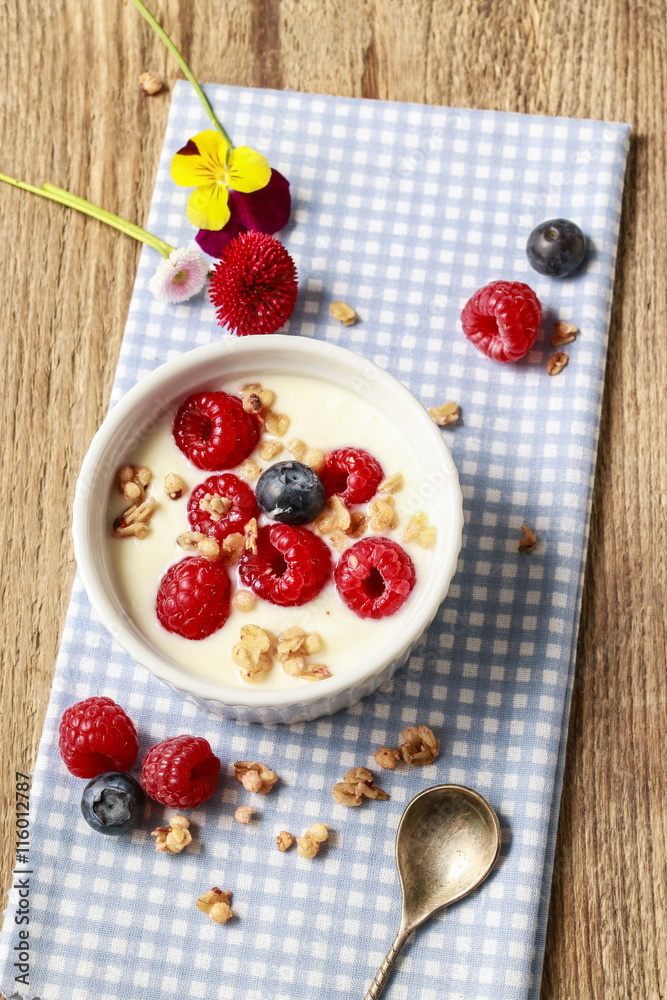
(133,481)
(284,840)
(150,83)
(256,399)
(196,541)
(446,413)
(174,486)
(417,746)
(215,903)
(255,777)
(312,457)
(343,313)
(174,838)
(420,531)
(356,786)
(259,649)
(231,550)
(565,333)
(134,521)
(529,540)
(308,845)
(244,814)
(557,362)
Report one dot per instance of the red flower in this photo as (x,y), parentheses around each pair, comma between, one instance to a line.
(253,286)
(263,211)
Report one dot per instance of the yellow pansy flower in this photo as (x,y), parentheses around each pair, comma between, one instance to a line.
(209,164)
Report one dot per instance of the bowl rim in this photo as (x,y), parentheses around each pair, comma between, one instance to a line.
(139,646)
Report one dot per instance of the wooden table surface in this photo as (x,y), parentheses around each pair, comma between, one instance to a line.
(72,114)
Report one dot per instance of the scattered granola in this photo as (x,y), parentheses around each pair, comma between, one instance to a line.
(216,904)
(529,540)
(132,482)
(314,459)
(387,758)
(134,522)
(418,530)
(244,600)
(277,423)
(392,484)
(382,515)
(419,746)
(312,643)
(565,333)
(294,644)
(296,666)
(298,449)
(130,530)
(215,506)
(290,641)
(150,83)
(355,786)
(233,548)
(284,840)
(252,403)
(343,313)
(308,845)
(255,777)
(190,540)
(253,654)
(250,534)
(195,541)
(556,363)
(174,838)
(248,470)
(269,450)
(340,524)
(447,413)
(254,665)
(255,398)
(244,814)
(174,486)
(253,635)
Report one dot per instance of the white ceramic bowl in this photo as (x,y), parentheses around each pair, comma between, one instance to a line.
(131,420)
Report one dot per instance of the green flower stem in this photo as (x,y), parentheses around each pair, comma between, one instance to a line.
(73,201)
(144,11)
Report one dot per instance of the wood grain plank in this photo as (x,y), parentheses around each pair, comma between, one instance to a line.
(71,113)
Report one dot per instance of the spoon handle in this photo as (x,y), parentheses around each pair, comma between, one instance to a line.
(383,973)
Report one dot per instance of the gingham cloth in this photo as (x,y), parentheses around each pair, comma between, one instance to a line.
(403,211)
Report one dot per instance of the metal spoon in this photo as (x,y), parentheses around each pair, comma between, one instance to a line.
(447,842)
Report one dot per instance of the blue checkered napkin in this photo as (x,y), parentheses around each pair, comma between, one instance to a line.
(403,211)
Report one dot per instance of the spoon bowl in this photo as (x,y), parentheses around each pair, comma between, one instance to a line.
(447,843)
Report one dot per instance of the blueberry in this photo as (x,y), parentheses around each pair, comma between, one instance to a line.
(290,492)
(556,248)
(113,803)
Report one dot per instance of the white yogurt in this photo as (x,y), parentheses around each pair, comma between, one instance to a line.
(324,416)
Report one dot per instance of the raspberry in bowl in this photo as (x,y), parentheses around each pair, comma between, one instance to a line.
(268,527)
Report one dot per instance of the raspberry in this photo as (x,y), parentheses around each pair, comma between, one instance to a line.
(375,577)
(181,772)
(193,599)
(502,319)
(352,474)
(228,487)
(97,736)
(291,567)
(213,430)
